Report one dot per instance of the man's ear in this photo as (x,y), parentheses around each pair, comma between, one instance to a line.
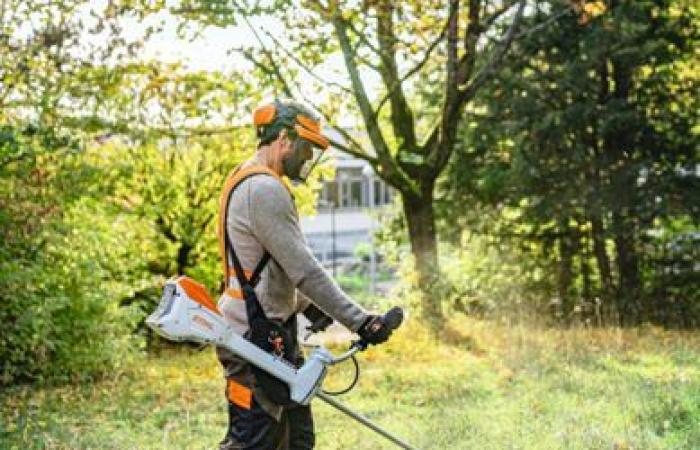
(284,136)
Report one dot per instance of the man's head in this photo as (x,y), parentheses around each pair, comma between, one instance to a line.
(291,136)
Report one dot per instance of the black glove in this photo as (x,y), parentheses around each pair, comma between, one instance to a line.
(374,330)
(377,329)
(319,320)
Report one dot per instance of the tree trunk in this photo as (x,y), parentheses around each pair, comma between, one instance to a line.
(584,261)
(628,271)
(565,271)
(420,218)
(183,256)
(602,258)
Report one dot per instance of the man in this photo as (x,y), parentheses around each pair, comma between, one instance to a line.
(271,275)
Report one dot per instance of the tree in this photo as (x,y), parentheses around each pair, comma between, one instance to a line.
(52,285)
(596,125)
(416,49)
(69,258)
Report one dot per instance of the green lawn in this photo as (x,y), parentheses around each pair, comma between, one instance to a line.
(487,386)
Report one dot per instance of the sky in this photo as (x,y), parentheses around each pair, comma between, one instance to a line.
(210,51)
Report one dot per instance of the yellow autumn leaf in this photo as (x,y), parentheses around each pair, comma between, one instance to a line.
(594,9)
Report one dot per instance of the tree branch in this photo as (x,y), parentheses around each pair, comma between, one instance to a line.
(144,132)
(490,20)
(354,149)
(191,132)
(441,140)
(356,153)
(306,68)
(388,168)
(414,70)
(363,38)
(502,47)
(538,27)
(452,43)
(401,114)
(274,67)
(471,37)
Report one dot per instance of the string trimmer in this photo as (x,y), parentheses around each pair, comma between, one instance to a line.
(187,315)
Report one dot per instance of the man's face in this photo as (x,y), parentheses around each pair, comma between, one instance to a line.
(297,156)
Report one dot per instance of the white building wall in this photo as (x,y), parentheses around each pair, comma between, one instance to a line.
(345,210)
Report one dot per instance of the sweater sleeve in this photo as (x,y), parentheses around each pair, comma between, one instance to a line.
(276,226)
(303,301)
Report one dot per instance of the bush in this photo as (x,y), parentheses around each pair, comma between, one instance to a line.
(673,273)
(60,305)
(479,278)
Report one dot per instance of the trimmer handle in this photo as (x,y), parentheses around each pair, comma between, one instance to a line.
(392,319)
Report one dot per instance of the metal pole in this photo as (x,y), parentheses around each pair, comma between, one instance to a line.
(372,255)
(335,273)
(363,420)
(372,265)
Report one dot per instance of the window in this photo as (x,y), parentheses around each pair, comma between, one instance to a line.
(344,194)
(355,192)
(329,195)
(351,189)
(351,193)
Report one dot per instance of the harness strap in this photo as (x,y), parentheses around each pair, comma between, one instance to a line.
(272,337)
(247,285)
(234,178)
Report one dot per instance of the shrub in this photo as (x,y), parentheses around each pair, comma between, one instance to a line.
(60,305)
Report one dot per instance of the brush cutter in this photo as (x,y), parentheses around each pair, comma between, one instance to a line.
(187,313)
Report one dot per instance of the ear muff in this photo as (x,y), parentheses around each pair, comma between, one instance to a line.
(264,115)
(317,139)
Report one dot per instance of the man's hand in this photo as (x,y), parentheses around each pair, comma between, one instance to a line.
(377,329)
(374,330)
(319,320)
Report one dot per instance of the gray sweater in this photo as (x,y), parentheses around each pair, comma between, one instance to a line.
(262,215)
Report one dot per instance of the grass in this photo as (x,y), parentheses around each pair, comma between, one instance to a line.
(486,386)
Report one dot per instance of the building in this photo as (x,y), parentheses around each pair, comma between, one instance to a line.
(347,210)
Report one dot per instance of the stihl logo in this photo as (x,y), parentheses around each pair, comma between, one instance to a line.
(203,322)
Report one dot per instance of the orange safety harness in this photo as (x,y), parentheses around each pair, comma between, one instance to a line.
(270,335)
